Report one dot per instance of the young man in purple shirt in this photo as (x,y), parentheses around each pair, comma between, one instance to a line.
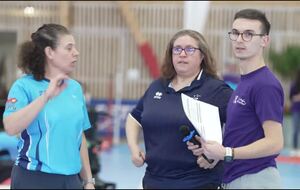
(253,134)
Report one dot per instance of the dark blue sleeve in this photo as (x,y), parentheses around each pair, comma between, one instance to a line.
(138,110)
(223,96)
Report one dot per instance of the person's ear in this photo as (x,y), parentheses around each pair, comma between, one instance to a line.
(49,52)
(265,41)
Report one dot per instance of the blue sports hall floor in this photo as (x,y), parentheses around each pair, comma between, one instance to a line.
(117,167)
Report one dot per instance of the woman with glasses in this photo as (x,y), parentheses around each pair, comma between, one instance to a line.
(253,135)
(47,108)
(188,68)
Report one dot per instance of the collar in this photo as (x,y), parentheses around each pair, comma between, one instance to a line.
(198,78)
(195,83)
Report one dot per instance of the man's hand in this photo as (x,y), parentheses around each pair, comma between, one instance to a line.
(204,164)
(213,150)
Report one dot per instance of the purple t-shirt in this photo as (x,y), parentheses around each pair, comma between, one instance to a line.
(258,97)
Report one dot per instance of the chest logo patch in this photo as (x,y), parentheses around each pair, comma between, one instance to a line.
(239,100)
(41,92)
(157,95)
(196,96)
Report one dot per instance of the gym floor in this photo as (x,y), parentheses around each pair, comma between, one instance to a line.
(116,167)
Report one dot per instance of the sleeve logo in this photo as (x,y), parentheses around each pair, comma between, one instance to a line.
(10,104)
(11,100)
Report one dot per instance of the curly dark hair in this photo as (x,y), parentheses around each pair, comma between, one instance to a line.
(208,63)
(32,55)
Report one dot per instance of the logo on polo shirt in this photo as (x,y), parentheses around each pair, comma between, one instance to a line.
(41,92)
(196,96)
(239,100)
(11,100)
(158,95)
(10,104)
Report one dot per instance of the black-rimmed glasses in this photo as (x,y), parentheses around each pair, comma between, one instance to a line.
(187,50)
(246,35)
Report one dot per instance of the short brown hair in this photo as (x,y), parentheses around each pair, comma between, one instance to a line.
(254,14)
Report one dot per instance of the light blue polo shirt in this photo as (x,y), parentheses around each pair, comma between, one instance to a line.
(51,143)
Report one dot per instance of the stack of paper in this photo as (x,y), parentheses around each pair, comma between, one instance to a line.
(205,118)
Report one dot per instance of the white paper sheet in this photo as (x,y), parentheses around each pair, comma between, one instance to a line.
(204,117)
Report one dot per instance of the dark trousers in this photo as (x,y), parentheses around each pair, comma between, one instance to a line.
(26,179)
(204,186)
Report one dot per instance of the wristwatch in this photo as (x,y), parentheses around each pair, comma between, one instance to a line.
(91,181)
(228,154)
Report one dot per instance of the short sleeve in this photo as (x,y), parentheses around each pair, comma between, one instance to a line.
(86,120)
(136,113)
(17,99)
(222,99)
(269,104)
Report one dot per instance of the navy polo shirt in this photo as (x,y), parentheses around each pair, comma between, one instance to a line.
(160,113)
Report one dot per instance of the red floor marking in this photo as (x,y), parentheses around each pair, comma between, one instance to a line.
(288,159)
